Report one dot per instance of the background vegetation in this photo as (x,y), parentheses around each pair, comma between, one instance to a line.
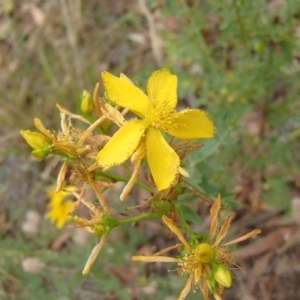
(237,59)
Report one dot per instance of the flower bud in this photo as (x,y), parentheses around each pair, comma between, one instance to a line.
(34,139)
(87,103)
(99,229)
(204,253)
(38,142)
(40,153)
(222,275)
(161,207)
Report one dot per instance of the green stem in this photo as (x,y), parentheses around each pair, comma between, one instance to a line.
(241,24)
(185,224)
(243,34)
(135,218)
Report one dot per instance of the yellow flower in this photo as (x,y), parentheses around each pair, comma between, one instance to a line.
(157,116)
(59,206)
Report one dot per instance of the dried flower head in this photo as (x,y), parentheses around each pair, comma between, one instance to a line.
(64,143)
(206,262)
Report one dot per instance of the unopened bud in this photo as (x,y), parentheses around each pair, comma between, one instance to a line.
(99,229)
(40,153)
(87,103)
(222,275)
(38,142)
(204,253)
(161,207)
(34,139)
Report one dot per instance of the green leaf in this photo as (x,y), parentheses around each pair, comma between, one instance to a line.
(189,214)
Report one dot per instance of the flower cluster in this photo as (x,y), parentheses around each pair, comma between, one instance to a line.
(156,134)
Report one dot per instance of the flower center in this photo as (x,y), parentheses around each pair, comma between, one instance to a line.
(189,265)
(160,116)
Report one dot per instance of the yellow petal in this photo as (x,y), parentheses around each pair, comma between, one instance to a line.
(162,159)
(93,256)
(35,140)
(153,258)
(217,296)
(183,172)
(214,212)
(244,237)
(127,189)
(122,92)
(41,127)
(186,289)
(136,159)
(123,143)
(167,249)
(223,230)
(61,177)
(111,113)
(191,124)
(172,226)
(162,89)
(123,76)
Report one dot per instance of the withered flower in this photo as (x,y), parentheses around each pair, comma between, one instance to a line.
(206,262)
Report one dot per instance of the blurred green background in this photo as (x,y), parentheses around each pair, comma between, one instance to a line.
(239,60)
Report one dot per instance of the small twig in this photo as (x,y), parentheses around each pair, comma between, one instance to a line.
(196,192)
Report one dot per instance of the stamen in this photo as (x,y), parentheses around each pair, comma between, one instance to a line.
(161,116)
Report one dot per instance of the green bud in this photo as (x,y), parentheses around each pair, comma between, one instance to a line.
(110,222)
(161,207)
(222,275)
(178,189)
(40,153)
(99,229)
(204,253)
(87,103)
